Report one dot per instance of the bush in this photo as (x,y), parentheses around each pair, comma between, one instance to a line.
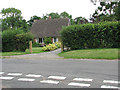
(23,41)
(15,40)
(102,35)
(58,44)
(48,40)
(49,47)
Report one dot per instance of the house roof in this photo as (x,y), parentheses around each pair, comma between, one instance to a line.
(48,28)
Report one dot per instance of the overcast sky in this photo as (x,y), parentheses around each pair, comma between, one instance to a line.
(39,7)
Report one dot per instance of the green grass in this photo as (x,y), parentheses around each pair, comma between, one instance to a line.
(106,53)
(34,50)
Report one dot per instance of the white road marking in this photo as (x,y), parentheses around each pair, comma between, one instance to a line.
(111,81)
(79,84)
(104,86)
(26,79)
(33,75)
(6,78)
(15,74)
(1,73)
(49,81)
(82,79)
(57,77)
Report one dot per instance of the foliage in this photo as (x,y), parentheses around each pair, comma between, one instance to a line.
(49,47)
(12,19)
(102,35)
(15,40)
(80,20)
(117,11)
(54,15)
(32,19)
(58,44)
(22,41)
(104,12)
(47,40)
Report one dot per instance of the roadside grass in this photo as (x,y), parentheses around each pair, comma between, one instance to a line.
(104,53)
(34,50)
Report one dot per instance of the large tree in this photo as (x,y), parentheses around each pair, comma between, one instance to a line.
(11,17)
(32,19)
(80,20)
(104,12)
(54,15)
(117,11)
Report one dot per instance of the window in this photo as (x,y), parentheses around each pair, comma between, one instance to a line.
(54,40)
(41,40)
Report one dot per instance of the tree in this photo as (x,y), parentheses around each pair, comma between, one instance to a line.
(54,15)
(80,20)
(105,12)
(65,15)
(32,19)
(11,17)
(117,11)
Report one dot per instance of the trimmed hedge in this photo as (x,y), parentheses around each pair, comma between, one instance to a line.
(101,35)
(15,40)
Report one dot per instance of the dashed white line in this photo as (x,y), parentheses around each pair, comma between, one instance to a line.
(1,73)
(79,84)
(15,74)
(82,79)
(111,81)
(6,78)
(33,75)
(57,77)
(105,86)
(26,79)
(49,81)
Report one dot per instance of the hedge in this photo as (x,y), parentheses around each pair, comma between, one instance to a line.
(101,35)
(15,40)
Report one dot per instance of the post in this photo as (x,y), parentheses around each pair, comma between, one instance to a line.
(62,47)
(30,46)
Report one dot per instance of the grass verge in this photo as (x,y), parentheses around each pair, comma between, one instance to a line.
(106,53)
(34,50)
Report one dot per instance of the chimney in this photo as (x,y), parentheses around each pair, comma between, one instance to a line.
(49,17)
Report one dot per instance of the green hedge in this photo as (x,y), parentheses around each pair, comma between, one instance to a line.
(102,35)
(15,40)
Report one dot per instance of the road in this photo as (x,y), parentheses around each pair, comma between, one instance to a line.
(50,71)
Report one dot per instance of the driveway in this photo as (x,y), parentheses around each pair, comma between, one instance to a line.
(47,70)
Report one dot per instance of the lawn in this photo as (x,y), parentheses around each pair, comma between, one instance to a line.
(34,50)
(106,53)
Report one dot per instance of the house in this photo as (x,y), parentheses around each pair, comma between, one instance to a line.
(48,28)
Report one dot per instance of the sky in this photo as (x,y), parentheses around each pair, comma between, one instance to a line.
(30,8)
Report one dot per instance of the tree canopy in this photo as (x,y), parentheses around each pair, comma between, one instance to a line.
(12,19)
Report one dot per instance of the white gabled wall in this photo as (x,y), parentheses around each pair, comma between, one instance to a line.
(54,40)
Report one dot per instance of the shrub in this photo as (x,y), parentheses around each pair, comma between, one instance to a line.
(15,40)
(58,44)
(23,41)
(101,35)
(48,40)
(8,39)
(49,47)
